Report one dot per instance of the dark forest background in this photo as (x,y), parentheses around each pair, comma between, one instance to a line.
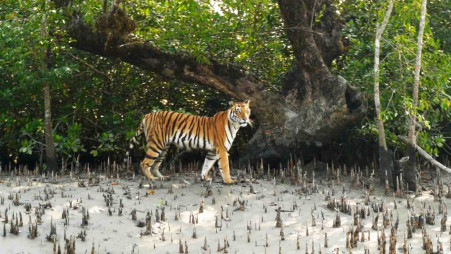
(97,101)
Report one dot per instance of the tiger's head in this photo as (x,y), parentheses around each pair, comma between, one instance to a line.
(240,113)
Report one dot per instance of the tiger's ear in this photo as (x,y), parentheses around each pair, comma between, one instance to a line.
(247,102)
(231,103)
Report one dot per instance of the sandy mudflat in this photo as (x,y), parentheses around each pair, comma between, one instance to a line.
(120,234)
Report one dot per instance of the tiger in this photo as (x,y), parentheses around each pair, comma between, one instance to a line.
(214,134)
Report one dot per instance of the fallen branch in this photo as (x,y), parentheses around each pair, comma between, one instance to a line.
(425,155)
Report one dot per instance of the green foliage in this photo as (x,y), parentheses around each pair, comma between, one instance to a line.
(398,51)
(23,42)
(97,103)
(26,146)
(440,22)
(69,144)
(107,143)
(248,33)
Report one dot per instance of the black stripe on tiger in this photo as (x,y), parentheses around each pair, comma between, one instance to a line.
(134,141)
(214,134)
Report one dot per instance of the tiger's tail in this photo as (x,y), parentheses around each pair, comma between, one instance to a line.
(134,141)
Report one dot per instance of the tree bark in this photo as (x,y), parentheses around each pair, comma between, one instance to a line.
(50,154)
(425,155)
(412,170)
(385,157)
(314,105)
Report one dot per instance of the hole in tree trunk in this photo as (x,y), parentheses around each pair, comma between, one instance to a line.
(353,100)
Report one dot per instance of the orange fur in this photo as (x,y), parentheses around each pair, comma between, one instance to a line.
(214,134)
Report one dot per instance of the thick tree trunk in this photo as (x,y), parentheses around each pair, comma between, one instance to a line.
(385,157)
(314,104)
(50,154)
(412,170)
(321,104)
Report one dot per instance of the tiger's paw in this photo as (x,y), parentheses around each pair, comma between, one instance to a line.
(230,181)
(162,177)
(205,178)
(151,178)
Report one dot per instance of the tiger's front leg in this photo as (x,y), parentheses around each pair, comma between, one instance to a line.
(224,166)
(210,159)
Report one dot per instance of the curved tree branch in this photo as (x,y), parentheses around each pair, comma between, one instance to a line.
(229,79)
(425,155)
(314,105)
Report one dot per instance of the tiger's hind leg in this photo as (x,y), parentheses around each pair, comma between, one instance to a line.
(210,159)
(146,164)
(155,168)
